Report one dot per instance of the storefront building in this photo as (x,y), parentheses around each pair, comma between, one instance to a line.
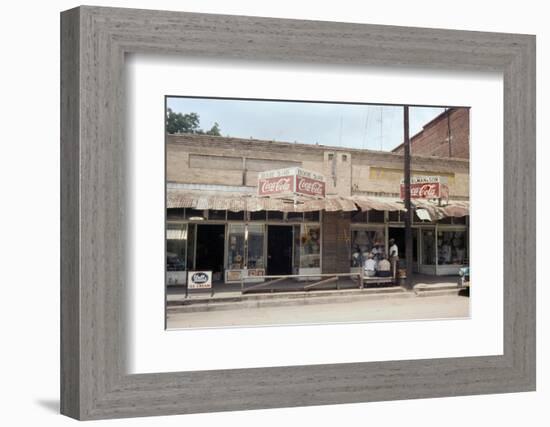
(219,219)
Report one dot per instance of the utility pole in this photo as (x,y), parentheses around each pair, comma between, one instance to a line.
(409,213)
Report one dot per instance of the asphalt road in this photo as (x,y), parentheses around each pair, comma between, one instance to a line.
(365,310)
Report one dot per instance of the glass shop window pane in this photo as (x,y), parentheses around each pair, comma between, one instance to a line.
(376,216)
(216,215)
(235,216)
(175,213)
(428,247)
(295,216)
(256,246)
(176,253)
(451,248)
(275,216)
(258,216)
(310,246)
(235,247)
(313,216)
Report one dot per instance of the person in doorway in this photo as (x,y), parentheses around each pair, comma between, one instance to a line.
(394,257)
(384,268)
(370,266)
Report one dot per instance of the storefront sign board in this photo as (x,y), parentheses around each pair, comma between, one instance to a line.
(199,279)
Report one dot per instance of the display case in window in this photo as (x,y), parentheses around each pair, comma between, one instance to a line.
(310,249)
(176,254)
(255,262)
(235,247)
(451,251)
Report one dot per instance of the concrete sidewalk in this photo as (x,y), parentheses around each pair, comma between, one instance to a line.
(290,294)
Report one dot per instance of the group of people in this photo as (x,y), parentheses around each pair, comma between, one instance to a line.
(380,265)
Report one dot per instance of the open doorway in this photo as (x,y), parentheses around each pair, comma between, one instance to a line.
(279,249)
(209,249)
(398,234)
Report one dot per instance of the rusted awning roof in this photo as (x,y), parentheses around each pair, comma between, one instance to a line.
(367,203)
(235,202)
(177,198)
(455,208)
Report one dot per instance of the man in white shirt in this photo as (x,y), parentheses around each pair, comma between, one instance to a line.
(370,266)
(384,267)
(394,256)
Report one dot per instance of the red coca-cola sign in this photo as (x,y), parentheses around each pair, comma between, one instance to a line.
(432,190)
(310,187)
(291,182)
(276,185)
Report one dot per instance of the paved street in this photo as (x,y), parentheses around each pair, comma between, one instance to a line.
(428,307)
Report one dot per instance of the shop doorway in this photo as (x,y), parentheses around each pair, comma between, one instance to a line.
(209,249)
(398,234)
(279,249)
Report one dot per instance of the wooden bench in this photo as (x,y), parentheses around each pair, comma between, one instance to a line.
(377,280)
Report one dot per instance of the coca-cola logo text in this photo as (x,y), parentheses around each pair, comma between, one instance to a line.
(276,185)
(422,191)
(311,187)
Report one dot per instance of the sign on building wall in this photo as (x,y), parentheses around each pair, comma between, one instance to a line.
(199,279)
(426,187)
(290,182)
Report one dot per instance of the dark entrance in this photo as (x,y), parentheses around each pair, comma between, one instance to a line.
(398,234)
(209,250)
(279,249)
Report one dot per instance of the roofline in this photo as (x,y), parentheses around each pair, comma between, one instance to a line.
(309,146)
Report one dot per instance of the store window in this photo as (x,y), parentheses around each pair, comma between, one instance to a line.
(216,215)
(235,216)
(393,216)
(176,253)
(359,216)
(296,232)
(365,241)
(312,216)
(256,246)
(195,214)
(310,246)
(295,216)
(428,247)
(175,213)
(375,216)
(257,216)
(451,247)
(275,215)
(235,247)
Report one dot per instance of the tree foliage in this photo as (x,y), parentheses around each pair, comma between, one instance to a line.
(188,123)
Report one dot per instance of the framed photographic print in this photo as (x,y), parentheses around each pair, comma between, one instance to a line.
(262,213)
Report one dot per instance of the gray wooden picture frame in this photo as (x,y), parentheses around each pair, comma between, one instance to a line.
(94,382)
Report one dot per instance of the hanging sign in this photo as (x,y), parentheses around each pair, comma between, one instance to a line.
(426,187)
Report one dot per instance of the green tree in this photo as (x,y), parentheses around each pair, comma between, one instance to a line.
(187,123)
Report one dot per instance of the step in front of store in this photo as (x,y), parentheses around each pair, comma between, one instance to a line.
(279,299)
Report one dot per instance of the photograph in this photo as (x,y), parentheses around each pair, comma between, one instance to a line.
(295,212)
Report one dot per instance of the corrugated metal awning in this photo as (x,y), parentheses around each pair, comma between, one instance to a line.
(367,203)
(236,202)
(455,208)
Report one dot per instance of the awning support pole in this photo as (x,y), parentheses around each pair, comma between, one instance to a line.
(408,214)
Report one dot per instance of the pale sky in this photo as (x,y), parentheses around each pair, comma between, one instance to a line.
(342,125)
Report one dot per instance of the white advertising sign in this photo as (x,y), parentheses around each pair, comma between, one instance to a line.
(199,279)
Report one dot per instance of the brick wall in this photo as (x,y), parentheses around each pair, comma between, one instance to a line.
(336,245)
(203,159)
(433,140)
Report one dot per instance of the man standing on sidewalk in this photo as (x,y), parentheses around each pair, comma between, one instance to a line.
(394,257)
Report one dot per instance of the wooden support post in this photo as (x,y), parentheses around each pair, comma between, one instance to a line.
(408,207)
